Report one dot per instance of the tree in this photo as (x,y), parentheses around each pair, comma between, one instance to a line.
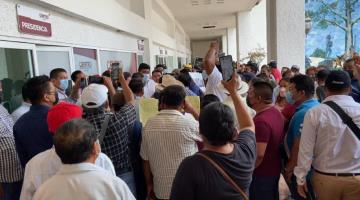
(343,14)
(319,53)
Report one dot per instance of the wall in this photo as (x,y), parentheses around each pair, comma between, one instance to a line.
(231,35)
(199,48)
(252,26)
(106,24)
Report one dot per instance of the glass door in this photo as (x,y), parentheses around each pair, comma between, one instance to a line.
(16,66)
(51,57)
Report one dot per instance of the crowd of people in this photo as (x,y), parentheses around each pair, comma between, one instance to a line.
(88,142)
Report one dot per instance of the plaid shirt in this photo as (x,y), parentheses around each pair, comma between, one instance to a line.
(116,140)
(10,168)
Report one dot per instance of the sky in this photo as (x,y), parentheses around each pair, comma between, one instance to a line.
(317,36)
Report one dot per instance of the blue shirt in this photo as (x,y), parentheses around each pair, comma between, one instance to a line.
(297,120)
(31,133)
(355,92)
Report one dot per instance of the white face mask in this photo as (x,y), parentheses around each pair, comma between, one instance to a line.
(204,75)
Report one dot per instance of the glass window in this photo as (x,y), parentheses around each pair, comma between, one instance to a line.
(49,60)
(86,60)
(15,68)
(128,59)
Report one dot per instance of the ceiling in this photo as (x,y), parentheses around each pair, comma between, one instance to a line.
(193,15)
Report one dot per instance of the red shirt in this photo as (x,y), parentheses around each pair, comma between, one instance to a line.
(269,128)
(276,73)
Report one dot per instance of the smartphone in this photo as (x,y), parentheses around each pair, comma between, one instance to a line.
(227,68)
(83,83)
(96,79)
(115,69)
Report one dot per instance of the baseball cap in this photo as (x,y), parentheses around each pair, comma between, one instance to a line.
(94,95)
(338,80)
(61,113)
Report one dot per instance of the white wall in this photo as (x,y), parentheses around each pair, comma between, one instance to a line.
(286,34)
(231,35)
(252,30)
(101,24)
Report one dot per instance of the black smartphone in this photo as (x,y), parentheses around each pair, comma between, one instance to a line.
(96,79)
(83,83)
(115,69)
(227,68)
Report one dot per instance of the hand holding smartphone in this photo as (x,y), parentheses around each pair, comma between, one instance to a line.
(227,68)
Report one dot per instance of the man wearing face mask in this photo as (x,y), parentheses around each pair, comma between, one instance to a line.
(31,131)
(302,90)
(60,80)
(150,85)
(349,67)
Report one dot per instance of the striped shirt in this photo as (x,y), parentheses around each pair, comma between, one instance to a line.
(168,138)
(10,168)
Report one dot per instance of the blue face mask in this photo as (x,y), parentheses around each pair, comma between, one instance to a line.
(64,84)
(289,98)
(146,78)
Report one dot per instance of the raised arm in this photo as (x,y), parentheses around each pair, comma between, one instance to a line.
(210,57)
(244,119)
(128,94)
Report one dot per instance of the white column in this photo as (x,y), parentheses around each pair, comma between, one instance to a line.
(149,51)
(231,36)
(286,32)
(251,30)
(224,43)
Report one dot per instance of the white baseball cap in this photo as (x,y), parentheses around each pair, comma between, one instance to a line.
(94,95)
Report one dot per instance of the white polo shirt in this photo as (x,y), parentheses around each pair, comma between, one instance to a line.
(45,165)
(83,181)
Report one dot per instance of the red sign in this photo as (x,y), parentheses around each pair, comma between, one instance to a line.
(33,22)
(34,27)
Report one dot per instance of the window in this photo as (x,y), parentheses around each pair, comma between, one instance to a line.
(86,60)
(15,68)
(128,59)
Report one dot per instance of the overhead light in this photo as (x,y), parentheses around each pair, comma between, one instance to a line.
(206,27)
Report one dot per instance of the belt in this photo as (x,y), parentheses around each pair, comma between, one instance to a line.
(337,174)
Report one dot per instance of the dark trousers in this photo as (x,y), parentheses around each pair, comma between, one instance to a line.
(294,193)
(11,190)
(264,188)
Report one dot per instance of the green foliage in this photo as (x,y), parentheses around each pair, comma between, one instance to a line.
(319,53)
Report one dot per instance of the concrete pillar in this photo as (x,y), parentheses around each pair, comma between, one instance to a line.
(149,51)
(251,30)
(224,44)
(231,36)
(286,32)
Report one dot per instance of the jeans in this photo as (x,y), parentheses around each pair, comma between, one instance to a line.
(11,190)
(129,179)
(264,188)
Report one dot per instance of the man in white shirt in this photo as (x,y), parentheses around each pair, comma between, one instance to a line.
(330,146)
(25,106)
(150,84)
(214,76)
(45,164)
(79,177)
(167,139)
